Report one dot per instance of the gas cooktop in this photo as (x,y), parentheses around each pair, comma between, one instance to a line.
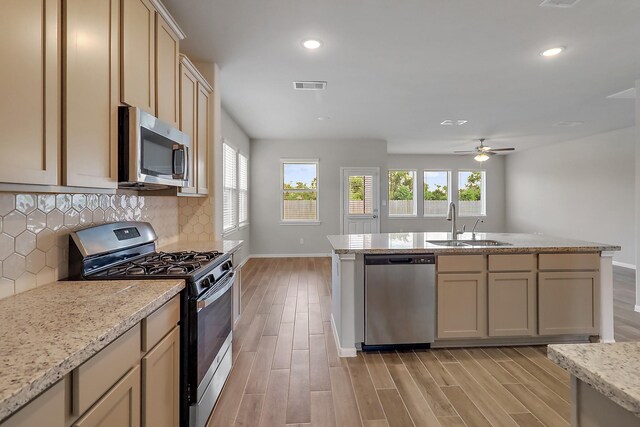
(162,263)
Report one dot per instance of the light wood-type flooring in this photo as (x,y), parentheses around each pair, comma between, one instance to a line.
(287,371)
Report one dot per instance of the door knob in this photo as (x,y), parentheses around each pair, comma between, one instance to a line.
(375,216)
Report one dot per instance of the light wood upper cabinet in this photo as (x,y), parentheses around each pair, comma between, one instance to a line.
(91,86)
(30,85)
(161,383)
(167,73)
(195,120)
(568,302)
(203,136)
(189,116)
(462,305)
(138,66)
(119,407)
(512,304)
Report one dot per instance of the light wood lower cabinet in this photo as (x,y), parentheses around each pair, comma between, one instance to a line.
(48,409)
(91,85)
(161,383)
(512,304)
(30,88)
(462,305)
(568,302)
(119,407)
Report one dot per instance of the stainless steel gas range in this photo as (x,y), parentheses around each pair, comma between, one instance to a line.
(127,250)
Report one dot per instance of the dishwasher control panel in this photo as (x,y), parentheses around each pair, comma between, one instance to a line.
(399,259)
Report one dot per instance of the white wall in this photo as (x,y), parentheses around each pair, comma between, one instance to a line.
(494,221)
(233,135)
(581,189)
(267,235)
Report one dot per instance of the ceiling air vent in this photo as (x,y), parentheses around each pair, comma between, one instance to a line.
(559,3)
(309,85)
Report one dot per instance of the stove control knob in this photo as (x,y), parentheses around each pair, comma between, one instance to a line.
(205,283)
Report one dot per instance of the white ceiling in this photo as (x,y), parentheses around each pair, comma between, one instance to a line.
(396,69)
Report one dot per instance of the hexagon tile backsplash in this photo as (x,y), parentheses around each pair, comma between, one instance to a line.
(196,219)
(34,230)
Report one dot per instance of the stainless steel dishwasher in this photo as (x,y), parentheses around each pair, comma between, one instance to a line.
(400,297)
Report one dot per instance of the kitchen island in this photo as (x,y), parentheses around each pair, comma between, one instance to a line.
(496,289)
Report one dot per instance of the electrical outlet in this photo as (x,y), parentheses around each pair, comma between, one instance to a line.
(301,241)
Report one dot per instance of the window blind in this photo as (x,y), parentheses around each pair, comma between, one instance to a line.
(243,190)
(230,188)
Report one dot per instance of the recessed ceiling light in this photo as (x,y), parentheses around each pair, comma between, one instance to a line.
(323,118)
(552,52)
(453,122)
(312,44)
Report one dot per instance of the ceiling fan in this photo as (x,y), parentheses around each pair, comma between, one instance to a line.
(483,152)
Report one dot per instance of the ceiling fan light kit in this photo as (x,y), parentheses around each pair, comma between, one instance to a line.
(484,152)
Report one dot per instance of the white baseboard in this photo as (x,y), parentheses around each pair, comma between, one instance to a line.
(320,255)
(342,351)
(637,308)
(624,264)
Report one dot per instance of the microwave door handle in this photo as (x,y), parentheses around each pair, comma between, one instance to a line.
(180,163)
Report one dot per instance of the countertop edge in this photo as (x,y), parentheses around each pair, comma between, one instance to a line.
(595,381)
(480,250)
(37,386)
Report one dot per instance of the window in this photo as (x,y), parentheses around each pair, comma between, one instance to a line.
(299,190)
(230,188)
(402,193)
(243,190)
(436,193)
(360,195)
(472,196)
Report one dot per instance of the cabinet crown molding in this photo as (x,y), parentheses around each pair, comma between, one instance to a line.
(162,10)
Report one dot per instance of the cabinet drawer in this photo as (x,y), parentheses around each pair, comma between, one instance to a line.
(569,261)
(48,409)
(119,407)
(523,262)
(460,263)
(93,378)
(160,323)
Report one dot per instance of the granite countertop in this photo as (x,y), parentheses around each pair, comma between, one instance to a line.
(47,332)
(612,369)
(225,246)
(387,243)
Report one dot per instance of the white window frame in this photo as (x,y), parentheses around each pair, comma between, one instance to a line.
(234,190)
(449,193)
(415,195)
(483,192)
(284,221)
(245,191)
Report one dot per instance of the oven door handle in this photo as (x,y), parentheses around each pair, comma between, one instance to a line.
(201,304)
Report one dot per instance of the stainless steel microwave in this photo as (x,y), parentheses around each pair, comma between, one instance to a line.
(152,153)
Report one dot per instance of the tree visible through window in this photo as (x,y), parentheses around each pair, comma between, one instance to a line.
(360,195)
(299,191)
(402,201)
(436,193)
(471,193)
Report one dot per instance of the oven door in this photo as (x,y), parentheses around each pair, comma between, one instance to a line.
(214,326)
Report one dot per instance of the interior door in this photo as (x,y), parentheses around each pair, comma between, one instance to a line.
(360,200)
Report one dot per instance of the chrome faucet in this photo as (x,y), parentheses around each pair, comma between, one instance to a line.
(473,231)
(451,216)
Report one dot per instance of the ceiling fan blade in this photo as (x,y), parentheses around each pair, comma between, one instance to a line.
(464,152)
(503,149)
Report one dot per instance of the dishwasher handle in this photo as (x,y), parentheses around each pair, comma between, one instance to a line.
(399,259)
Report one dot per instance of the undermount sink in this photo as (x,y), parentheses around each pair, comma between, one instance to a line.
(485,243)
(447,242)
(467,243)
